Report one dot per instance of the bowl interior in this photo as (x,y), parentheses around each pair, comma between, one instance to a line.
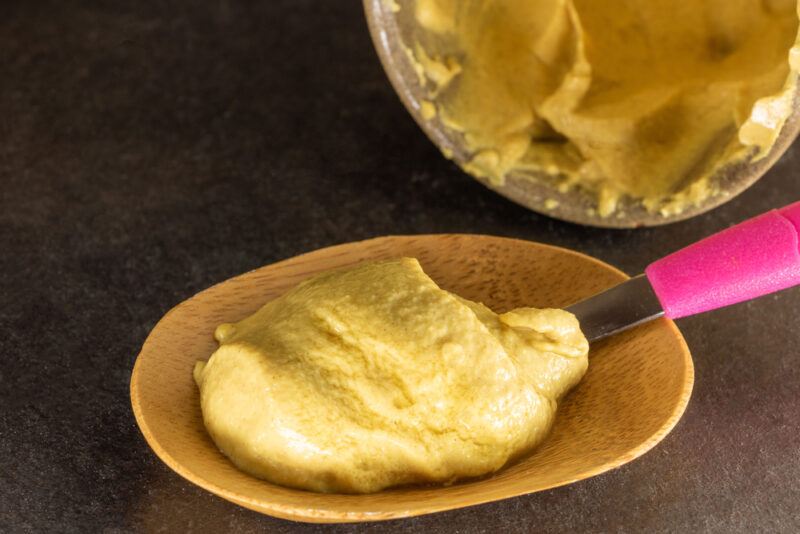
(636,389)
(393,30)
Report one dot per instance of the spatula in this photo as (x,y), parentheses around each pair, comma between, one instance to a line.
(749,260)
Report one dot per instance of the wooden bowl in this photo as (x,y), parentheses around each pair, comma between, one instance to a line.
(390,29)
(636,389)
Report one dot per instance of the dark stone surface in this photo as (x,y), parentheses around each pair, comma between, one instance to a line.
(150,149)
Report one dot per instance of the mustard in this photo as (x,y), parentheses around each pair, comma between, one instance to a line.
(371,377)
(638,99)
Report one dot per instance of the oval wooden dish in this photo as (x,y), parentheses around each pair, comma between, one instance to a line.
(636,389)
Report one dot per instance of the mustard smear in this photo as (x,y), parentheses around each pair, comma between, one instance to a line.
(645,99)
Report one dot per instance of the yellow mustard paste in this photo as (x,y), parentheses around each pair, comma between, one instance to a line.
(644,99)
(370,377)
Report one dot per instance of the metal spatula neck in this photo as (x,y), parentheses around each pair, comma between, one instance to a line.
(629,304)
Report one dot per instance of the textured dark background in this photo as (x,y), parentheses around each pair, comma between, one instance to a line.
(152,149)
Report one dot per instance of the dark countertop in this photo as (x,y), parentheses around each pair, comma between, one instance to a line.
(152,149)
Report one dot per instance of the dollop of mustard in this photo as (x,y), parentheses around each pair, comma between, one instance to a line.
(645,99)
(370,377)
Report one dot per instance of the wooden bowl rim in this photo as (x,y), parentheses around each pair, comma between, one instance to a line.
(305,514)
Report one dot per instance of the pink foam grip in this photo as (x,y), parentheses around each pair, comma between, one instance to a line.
(751,259)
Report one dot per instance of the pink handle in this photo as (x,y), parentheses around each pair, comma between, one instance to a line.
(751,259)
